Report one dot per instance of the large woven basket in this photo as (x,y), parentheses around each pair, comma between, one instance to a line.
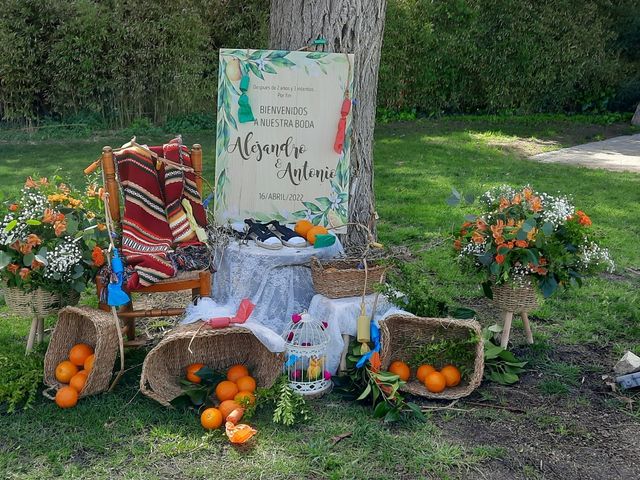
(515,297)
(403,335)
(83,325)
(343,278)
(218,349)
(38,302)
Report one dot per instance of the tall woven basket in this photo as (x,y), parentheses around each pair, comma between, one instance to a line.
(402,336)
(515,297)
(343,278)
(83,325)
(39,302)
(218,349)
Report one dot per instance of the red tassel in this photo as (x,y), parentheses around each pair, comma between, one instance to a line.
(342,125)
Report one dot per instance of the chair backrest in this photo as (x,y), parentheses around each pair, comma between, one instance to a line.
(109,169)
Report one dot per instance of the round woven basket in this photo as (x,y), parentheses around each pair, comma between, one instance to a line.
(38,302)
(218,349)
(515,297)
(403,335)
(83,325)
(343,278)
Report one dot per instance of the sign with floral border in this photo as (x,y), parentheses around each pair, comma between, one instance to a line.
(279,163)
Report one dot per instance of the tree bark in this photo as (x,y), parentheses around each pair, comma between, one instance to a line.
(349,26)
(636,117)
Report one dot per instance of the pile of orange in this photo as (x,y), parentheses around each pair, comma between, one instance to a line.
(307,230)
(74,372)
(236,392)
(435,381)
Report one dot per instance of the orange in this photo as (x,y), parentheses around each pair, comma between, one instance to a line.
(67,397)
(191,372)
(65,370)
(245,397)
(79,353)
(227,407)
(236,372)
(78,380)
(211,418)
(435,382)
(451,375)
(401,369)
(319,230)
(246,384)
(302,227)
(423,371)
(88,363)
(226,390)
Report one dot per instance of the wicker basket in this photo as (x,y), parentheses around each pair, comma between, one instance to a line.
(515,297)
(39,302)
(216,348)
(83,325)
(342,278)
(403,335)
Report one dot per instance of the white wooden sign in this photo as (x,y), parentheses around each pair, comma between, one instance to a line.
(281,163)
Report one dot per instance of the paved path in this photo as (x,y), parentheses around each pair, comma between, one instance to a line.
(618,154)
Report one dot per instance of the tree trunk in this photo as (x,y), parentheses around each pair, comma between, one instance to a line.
(636,117)
(349,26)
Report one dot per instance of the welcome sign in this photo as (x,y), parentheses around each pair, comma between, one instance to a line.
(278,116)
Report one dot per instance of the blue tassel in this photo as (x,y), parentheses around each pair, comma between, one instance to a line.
(116,297)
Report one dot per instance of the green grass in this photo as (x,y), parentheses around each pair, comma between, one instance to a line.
(125,435)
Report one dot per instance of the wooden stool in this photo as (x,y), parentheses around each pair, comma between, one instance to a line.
(515,298)
(506,329)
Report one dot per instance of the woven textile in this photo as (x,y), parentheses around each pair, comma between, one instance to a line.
(154,219)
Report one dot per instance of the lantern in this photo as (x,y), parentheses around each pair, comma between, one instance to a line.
(307,343)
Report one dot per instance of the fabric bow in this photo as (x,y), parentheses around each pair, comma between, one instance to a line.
(375,338)
(342,125)
(244,312)
(244,109)
(200,233)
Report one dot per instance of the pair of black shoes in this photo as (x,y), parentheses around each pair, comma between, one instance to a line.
(273,235)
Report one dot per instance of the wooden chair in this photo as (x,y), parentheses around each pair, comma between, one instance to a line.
(199,282)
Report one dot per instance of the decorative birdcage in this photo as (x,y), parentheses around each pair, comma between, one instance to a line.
(305,366)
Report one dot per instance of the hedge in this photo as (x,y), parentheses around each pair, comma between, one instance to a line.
(113,62)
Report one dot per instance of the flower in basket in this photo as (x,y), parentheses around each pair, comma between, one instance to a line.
(523,235)
(49,237)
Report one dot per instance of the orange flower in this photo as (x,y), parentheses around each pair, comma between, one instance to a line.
(25,248)
(98,256)
(542,261)
(508,245)
(466,224)
(29,183)
(13,267)
(477,237)
(375,362)
(457,245)
(102,227)
(24,273)
(500,259)
(59,227)
(75,203)
(536,204)
(511,222)
(481,225)
(92,190)
(531,236)
(13,207)
(36,264)
(49,216)
(517,199)
(43,181)
(504,203)
(528,193)
(497,230)
(34,240)
(64,189)
(522,243)
(584,219)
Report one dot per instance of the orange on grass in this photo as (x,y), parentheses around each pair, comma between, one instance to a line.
(65,370)
(435,382)
(246,383)
(67,397)
(245,397)
(423,371)
(226,390)
(191,372)
(401,369)
(319,230)
(236,372)
(227,407)
(211,418)
(451,375)
(79,353)
(302,227)
(79,380)
(88,363)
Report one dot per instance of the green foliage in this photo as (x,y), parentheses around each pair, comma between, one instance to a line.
(500,365)
(460,352)
(199,394)
(289,407)
(20,377)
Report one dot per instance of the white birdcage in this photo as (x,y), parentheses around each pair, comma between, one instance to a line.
(307,342)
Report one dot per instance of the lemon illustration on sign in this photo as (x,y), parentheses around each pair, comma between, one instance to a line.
(233,70)
(334,219)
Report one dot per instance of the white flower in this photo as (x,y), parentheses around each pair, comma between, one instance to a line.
(62,260)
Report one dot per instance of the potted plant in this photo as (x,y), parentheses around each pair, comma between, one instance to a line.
(51,245)
(524,239)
